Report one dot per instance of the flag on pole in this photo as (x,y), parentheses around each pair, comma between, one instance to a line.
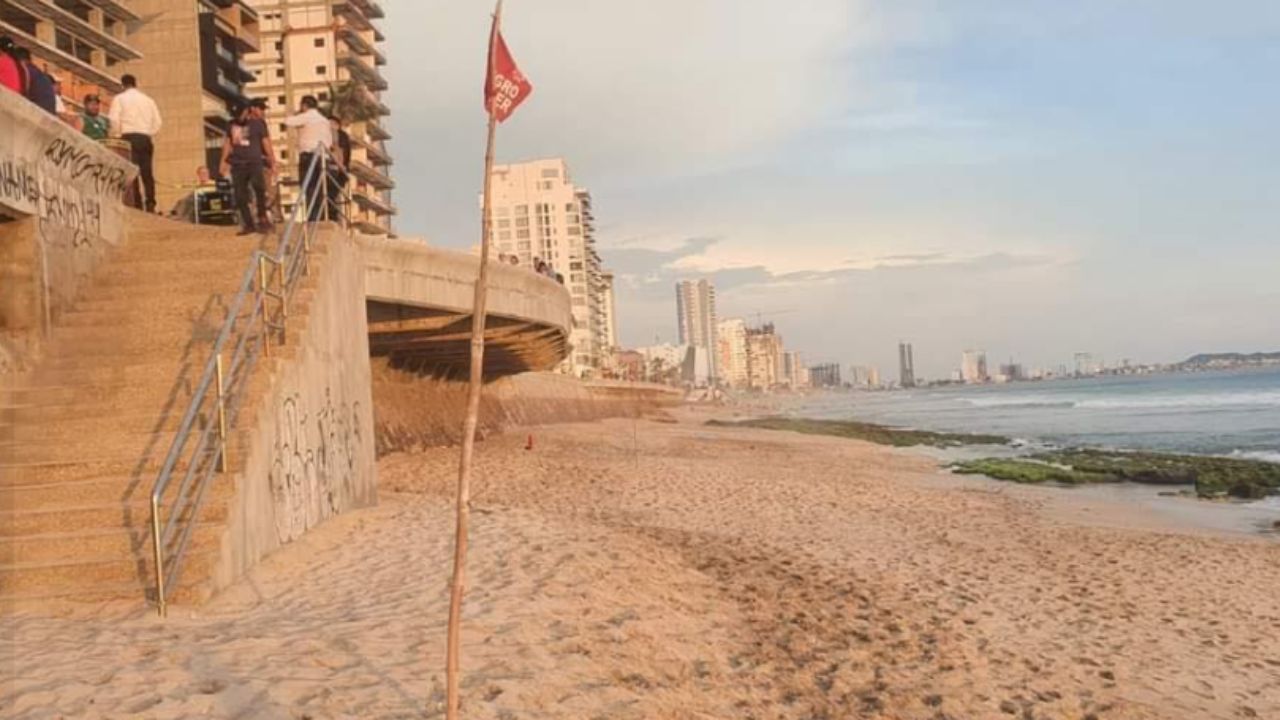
(505,87)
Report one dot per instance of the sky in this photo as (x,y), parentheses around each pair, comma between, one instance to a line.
(1033,178)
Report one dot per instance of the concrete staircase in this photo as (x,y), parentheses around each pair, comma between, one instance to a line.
(84,434)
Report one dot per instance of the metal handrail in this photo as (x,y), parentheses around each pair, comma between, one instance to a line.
(226,383)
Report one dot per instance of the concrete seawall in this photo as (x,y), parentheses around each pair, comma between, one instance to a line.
(412,411)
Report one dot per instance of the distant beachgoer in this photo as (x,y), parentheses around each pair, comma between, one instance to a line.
(94,124)
(135,116)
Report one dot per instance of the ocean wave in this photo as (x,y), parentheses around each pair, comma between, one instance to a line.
(1205,400)
(1272,456)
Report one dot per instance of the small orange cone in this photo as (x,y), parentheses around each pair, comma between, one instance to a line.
(529,445)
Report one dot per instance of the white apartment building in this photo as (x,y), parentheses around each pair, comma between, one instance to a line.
(608,311)
(973,366)
(323,48)
(731,354)
(539,214)
(696,316)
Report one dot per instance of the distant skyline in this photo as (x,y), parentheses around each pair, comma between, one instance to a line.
(1036,178)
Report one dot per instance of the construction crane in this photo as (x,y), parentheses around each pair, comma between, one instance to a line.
(761,315)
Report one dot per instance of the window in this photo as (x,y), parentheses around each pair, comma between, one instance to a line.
(522,222)
(502,212)
(574,230)
(550,173)
(504,235)
(571,207)
(522,209)
(320,69)
(575,266)
(525,247)
(284,128)
(279,45)
(281,100)
(324,96)
(522,234)
(279,72)
(546,185)
(504,223)
(319,42)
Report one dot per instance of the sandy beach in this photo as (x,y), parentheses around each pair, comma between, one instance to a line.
(659,569)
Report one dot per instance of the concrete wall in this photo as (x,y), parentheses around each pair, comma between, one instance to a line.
(411,272)
(61,194)
(414,411)
(311,450)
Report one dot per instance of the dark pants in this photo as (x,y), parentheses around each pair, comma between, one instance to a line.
(337,181)
(312,194)
(244,180)
(142,152)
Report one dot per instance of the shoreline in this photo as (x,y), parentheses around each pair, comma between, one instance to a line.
(649,568)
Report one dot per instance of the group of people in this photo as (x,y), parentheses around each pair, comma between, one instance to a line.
(134,117)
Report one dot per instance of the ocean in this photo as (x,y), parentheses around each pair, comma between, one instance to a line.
(1234,413)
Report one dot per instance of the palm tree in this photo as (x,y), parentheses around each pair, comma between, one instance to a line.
(350,102)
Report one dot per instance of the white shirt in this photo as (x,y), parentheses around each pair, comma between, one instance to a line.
(314,130)
(133,112)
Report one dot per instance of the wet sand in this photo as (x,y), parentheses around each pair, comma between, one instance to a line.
(654,570)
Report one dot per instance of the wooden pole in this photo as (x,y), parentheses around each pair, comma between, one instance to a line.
(452,666)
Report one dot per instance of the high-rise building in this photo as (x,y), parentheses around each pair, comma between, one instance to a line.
(764,357)
(906,366)
(864,376)
(83,44)
(696,316)
(731,353)
(194,66)
(539,214)
(826,375)
(973,366)
(328,49)
(794,373)
(608,311)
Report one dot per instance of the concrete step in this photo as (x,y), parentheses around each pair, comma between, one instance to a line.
(74,576)
(111,542)
(103,445)
(78,493)
(144,467)
(134,515)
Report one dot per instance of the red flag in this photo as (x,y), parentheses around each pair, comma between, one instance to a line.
(505,87)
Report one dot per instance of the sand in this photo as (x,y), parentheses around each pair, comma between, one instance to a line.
(655,570)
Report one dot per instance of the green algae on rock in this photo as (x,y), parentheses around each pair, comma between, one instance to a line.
(870,432)
(1211,476)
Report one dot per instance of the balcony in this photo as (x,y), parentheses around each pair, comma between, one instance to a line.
(371,175)
(116,10)
(372,202)
(74,25)
(362,70)
(69,63)
(351,35)
(377,154)
(376,131)
(233,20)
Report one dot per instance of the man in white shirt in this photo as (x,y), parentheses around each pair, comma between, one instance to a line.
(136,118)
(315,135)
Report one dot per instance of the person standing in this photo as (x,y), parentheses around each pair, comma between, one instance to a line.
(12,75)
(315,137)
(93,123)
(135,116)
(339,169)
(39,84)
(246,154)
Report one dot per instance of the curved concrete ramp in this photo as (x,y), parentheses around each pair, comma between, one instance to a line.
(419,303)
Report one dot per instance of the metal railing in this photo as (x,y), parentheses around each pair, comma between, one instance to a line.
(258,312)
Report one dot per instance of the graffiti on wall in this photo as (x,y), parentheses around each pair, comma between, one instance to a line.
(51,172)
(316,451)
